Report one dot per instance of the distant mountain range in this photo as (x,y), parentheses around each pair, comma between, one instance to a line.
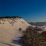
(38,23)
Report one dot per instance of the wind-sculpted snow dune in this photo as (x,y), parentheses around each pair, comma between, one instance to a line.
(10,31)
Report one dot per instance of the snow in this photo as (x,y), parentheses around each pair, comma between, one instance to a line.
(9,30)
(43,28)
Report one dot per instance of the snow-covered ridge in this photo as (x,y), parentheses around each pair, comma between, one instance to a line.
(12,20)
(9,30)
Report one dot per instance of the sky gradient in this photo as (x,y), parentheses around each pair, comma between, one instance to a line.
(30,10)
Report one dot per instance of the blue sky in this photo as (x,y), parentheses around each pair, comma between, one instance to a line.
(30,10)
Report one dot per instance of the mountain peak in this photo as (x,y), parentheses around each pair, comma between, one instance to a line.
(9,29)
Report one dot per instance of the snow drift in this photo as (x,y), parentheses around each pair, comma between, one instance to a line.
(9,30)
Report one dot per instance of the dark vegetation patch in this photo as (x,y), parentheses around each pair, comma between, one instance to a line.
(31,38)
(10,17)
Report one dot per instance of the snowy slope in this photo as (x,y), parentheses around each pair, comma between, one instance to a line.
(9,30)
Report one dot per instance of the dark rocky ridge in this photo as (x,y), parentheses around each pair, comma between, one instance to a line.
(11,17)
